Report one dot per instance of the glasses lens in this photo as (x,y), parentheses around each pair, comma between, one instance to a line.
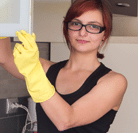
(74,25)
(93,28)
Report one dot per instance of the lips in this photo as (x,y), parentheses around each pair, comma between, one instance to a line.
(82,41)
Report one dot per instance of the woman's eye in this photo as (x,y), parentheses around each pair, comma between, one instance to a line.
(95,26)
(75,23)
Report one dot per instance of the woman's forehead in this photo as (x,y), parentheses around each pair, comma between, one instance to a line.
(91,16)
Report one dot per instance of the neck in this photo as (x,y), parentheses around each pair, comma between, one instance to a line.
(80,61)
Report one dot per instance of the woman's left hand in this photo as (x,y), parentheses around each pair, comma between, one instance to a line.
(26,55)
(26,58)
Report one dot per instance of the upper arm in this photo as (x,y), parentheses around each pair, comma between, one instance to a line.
(101,99)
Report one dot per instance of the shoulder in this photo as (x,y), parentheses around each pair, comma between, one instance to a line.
(113,85)
(46,64)
(116,80)
(117,77)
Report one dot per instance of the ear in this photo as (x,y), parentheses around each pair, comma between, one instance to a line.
(103,37)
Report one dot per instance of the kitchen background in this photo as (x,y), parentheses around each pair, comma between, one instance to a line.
(121,55)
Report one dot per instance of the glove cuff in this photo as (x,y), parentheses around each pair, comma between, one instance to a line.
(38,85)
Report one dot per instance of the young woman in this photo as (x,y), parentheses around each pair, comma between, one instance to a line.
(87,94)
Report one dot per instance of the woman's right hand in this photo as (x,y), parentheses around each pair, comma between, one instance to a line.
(3,37)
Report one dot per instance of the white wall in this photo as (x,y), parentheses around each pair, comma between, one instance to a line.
(125,25)
(48,18)
(122,58)
(59,51)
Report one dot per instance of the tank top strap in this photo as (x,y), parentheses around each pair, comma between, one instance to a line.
(95,76)
(99,72)
(53,71)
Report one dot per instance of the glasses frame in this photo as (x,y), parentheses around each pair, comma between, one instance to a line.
(82,25)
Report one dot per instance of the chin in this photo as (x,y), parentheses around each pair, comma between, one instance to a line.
(82,50)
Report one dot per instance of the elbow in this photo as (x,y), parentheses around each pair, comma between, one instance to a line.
(64,126)
(65,121)
(2,63)
(4,59)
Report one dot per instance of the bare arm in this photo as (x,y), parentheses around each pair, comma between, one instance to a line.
(105,96)
(7,59)
(5,49)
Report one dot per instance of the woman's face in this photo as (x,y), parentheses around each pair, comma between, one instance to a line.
(82,40)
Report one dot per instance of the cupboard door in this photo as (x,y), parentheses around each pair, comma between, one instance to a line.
(124,7)
(15,15)
(73,1)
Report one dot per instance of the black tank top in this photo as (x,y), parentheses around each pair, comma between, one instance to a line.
(102,125)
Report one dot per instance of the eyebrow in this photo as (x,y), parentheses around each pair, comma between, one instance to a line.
(89,22)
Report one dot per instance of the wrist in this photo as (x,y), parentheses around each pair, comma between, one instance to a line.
(38,85)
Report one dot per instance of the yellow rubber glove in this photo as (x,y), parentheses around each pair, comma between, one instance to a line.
(26,58)
(3,37)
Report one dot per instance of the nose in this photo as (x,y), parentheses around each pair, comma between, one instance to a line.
(82,31)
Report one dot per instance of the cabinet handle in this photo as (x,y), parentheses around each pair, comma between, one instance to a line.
(123,4)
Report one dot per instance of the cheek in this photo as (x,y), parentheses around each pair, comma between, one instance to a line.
(96,40)
(72,34)
(97,37)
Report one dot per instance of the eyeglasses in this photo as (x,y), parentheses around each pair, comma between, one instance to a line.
(91,28)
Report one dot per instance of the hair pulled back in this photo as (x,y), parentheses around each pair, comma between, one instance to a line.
(81,6)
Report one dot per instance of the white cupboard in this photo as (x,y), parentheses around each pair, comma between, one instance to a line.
(15,15)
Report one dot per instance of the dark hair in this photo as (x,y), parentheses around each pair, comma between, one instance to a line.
(81,6)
